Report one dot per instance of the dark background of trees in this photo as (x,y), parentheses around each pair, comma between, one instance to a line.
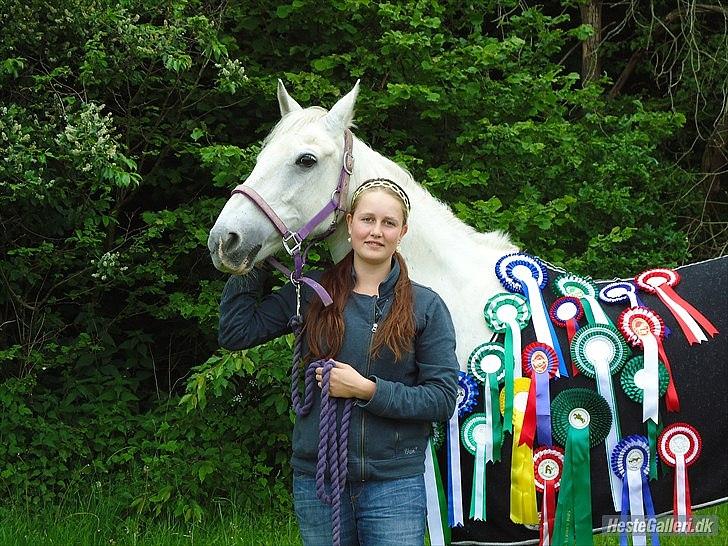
(593,132)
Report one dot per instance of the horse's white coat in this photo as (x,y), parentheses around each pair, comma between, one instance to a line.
(441,251)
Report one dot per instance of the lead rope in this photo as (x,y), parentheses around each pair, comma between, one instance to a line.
(333,444)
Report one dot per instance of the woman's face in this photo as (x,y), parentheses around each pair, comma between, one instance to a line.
(376,226)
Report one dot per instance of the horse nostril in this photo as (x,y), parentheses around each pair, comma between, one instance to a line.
(231,241)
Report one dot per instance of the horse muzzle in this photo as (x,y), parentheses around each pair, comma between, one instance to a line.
(230,254)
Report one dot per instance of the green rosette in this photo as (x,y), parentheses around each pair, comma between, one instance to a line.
(629,385)
(568,284)
(474,433)
(599,420)
(487,365)
(598,341)
(437,436)
(487,359)
(636,393)
(580,419)
(505,307)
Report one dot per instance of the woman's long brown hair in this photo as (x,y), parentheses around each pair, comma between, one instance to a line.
(325,325)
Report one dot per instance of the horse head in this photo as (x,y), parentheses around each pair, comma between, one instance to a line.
(295,174)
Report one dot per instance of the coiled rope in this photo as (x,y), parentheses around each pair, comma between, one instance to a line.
(333,444)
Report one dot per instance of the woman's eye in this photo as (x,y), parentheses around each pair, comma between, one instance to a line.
(306,160)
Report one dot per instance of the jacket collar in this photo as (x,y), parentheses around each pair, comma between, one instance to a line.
(386,287)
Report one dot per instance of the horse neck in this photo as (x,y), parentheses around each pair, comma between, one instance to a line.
(441,251)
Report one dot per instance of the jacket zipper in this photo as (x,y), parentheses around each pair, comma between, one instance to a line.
(369,361)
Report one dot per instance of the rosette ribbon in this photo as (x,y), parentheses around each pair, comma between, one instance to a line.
(523,492)
(548,464)
(487,365)
(474,434)
(643,327)
(583,288)
(679,446)
(599,351)
(437,525)
(566,312)
(508,314)
(633,381)
(630,461)
(661,282)
(526,274)
(581,419)
(540,364)
(466,401)
(621,292)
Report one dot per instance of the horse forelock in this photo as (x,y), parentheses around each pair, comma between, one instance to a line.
(294,122)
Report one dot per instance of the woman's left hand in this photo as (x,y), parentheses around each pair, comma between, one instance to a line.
(346,382)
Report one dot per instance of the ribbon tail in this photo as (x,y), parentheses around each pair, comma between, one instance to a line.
(528,430)
(624,514)
(605,388)
(494,418)
(543,409)
(509,365)
(579,445)
(523,489)
(650,510)
(454,481)
(651,397)
(477,496)
(697,315)
(652,438)
(636,507)
(687,323)
(571,328)
(671,399)
(680,495)
(437,527)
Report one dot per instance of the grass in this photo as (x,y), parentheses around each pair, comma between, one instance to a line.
(96,520)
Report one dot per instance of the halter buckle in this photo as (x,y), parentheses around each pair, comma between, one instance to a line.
(348,162)
(297,241)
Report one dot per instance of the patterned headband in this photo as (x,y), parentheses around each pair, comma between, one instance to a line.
(383,183)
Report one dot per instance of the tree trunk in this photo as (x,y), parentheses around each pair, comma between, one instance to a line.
(591,14)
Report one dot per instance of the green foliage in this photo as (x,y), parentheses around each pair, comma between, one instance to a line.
(124,124)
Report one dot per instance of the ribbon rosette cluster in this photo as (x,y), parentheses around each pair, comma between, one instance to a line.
(508,314)
(630,462)
(540,364)
(548,464)
(642,327)
(523,494)
(528,275)
(599,352)
(661,282)
(585,290)
(581,419)
(679,446)
(634,381)
(566,312)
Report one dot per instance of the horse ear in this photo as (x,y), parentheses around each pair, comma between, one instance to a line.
(286,103)
(342,113)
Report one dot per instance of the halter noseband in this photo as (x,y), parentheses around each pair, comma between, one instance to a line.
(292,240)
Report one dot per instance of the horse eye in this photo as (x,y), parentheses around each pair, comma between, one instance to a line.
(306,160)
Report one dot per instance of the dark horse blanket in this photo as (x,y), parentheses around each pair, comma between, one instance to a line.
(701,378)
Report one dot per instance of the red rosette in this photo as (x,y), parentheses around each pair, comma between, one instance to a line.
(548,465)
(539,357)
(637,322)
(564,309)
(679,438)
(652,278)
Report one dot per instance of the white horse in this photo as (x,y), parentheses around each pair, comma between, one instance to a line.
(441,251)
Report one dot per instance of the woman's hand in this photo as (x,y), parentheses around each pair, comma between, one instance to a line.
(346,382)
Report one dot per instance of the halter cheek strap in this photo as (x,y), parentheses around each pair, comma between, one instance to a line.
(292,240)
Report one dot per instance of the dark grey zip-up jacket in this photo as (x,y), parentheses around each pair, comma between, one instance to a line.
(388,434)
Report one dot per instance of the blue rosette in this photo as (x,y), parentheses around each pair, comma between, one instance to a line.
(630,462)
(527,275)
(467,394)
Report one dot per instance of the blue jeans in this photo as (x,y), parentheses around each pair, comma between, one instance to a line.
(375,513)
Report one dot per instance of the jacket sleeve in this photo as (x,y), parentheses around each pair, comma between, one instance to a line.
(248,317)
(434,396)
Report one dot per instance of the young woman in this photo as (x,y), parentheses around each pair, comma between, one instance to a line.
(394,346)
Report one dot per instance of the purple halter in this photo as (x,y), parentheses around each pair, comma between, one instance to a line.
(292,240)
